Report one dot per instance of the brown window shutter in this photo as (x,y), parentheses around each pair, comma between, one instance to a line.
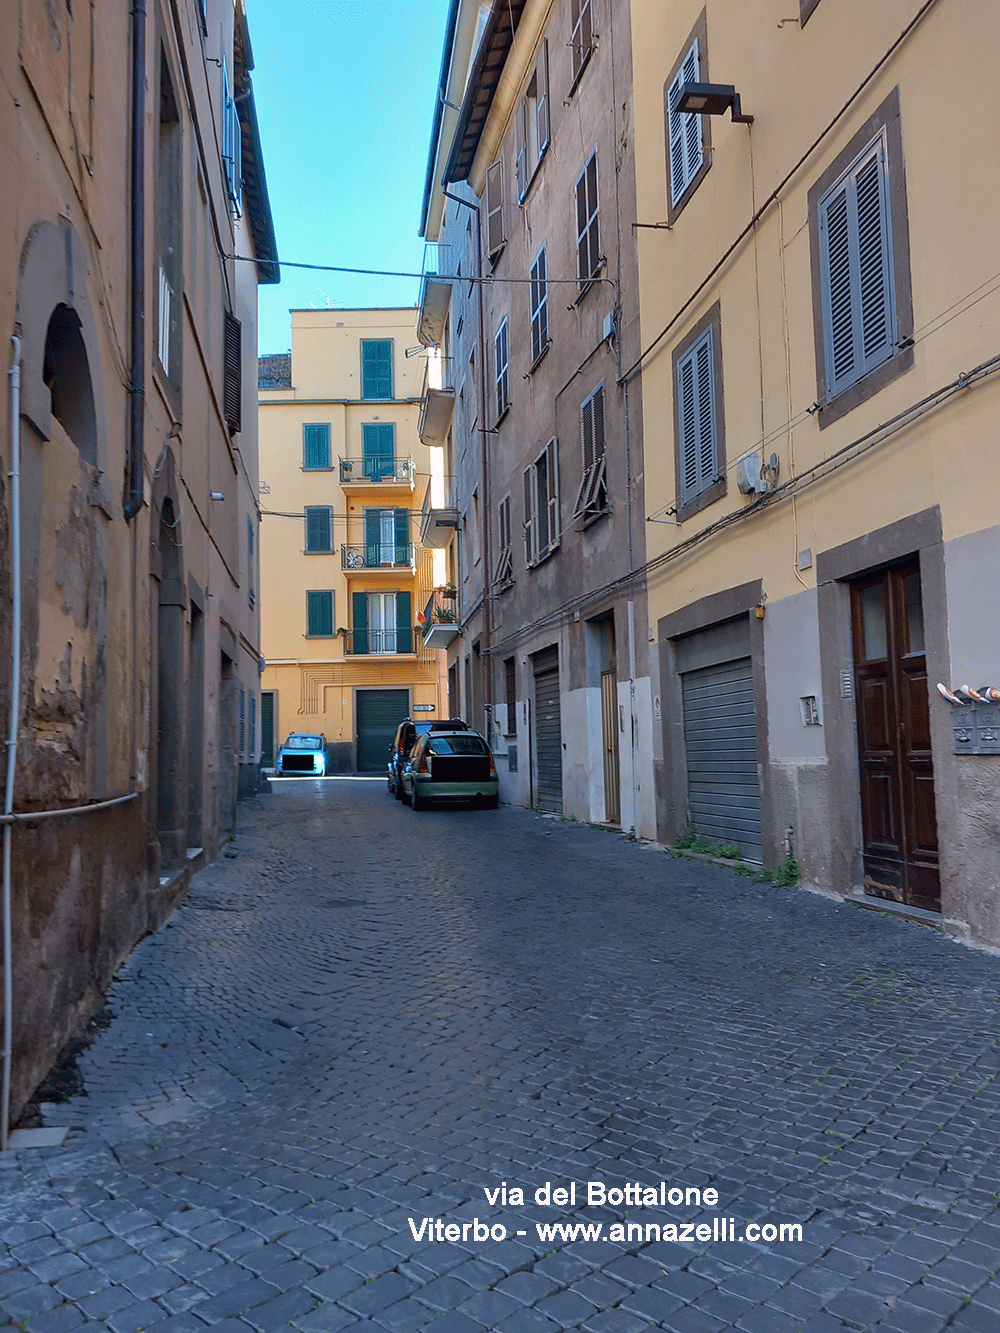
(232,386)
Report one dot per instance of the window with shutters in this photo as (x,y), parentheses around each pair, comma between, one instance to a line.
(168,274)
(319,614)
(387,538)
(232,381)
(376,368)
(698,417)
(592,497)
(539,308)
(542,529)
(243,721)
(378,449)
(860,254)
(581,39)
(503,575)
(382,623)
(495,235)
(859,316)
(316,446)
(232,145)
(510,693)
(532,124)
(588,230)
(319,524)
(502,371)
(252,748)
(687,135)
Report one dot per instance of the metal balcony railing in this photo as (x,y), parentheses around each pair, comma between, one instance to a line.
(373,555)
(398,471)
(378,642)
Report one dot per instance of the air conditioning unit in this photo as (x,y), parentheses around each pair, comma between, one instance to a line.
(749,475)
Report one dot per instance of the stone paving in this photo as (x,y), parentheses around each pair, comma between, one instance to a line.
(372,1015)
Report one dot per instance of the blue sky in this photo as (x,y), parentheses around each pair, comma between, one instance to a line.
(345,94)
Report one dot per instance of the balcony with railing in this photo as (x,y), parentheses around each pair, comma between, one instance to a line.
(365,642)
(437,522)
(435,293)
(388,474)
(437,399)
(439,621)
(375,557)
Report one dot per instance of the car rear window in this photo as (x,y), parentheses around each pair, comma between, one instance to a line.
(303,743)
(456,744)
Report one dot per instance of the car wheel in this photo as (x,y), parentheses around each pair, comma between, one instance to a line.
(397,791)
(404,795)
(417,802)
(491,802)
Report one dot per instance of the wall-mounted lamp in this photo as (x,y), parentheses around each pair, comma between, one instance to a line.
(760,609)
(712,99)
(415,351)
(218,495)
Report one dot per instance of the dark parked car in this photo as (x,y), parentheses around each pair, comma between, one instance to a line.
(407,734)
(303,753)
(450,766)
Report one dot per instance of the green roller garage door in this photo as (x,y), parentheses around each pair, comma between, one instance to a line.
(379,714)
(720,742)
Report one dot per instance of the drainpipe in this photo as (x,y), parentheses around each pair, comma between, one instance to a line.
(137,268)
(485,516)
(15,699)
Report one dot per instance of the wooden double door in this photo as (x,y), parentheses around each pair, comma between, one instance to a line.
(894,743)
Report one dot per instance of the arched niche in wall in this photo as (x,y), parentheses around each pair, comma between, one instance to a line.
(60,352)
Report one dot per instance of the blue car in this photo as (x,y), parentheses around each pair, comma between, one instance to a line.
(304,754)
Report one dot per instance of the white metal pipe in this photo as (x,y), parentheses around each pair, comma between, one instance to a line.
(15,709)
(29,816)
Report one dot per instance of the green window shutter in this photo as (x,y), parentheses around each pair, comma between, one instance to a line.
(404,628)
(316,445)
(360,600)
(318,529)
(376,368)
(319,606)
(373,537)
(378,444)
(403,537)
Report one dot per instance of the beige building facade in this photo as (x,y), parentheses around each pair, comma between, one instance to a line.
(347,587)
(819,357)
(128,483)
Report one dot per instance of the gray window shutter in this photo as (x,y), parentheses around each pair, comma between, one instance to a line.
(232,383)
(494,208)
(529,515)
(685,130)
(859,317)
(696,413)
(542,103)
(521,167)
(552,499)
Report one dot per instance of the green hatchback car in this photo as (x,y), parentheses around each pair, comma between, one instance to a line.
(450,766)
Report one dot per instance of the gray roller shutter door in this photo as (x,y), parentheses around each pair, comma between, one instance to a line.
(379,714)
(720,744)
(548,741)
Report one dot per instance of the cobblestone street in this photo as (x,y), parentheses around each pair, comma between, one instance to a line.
(370,1015)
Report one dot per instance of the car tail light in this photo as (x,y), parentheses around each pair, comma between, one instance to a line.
(424,765)
(493,767)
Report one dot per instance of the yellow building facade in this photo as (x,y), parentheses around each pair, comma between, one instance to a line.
(820,318)
(346,587)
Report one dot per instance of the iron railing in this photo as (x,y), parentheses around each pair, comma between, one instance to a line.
(378,642)
(441,609)
(398,471)
(373,555)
